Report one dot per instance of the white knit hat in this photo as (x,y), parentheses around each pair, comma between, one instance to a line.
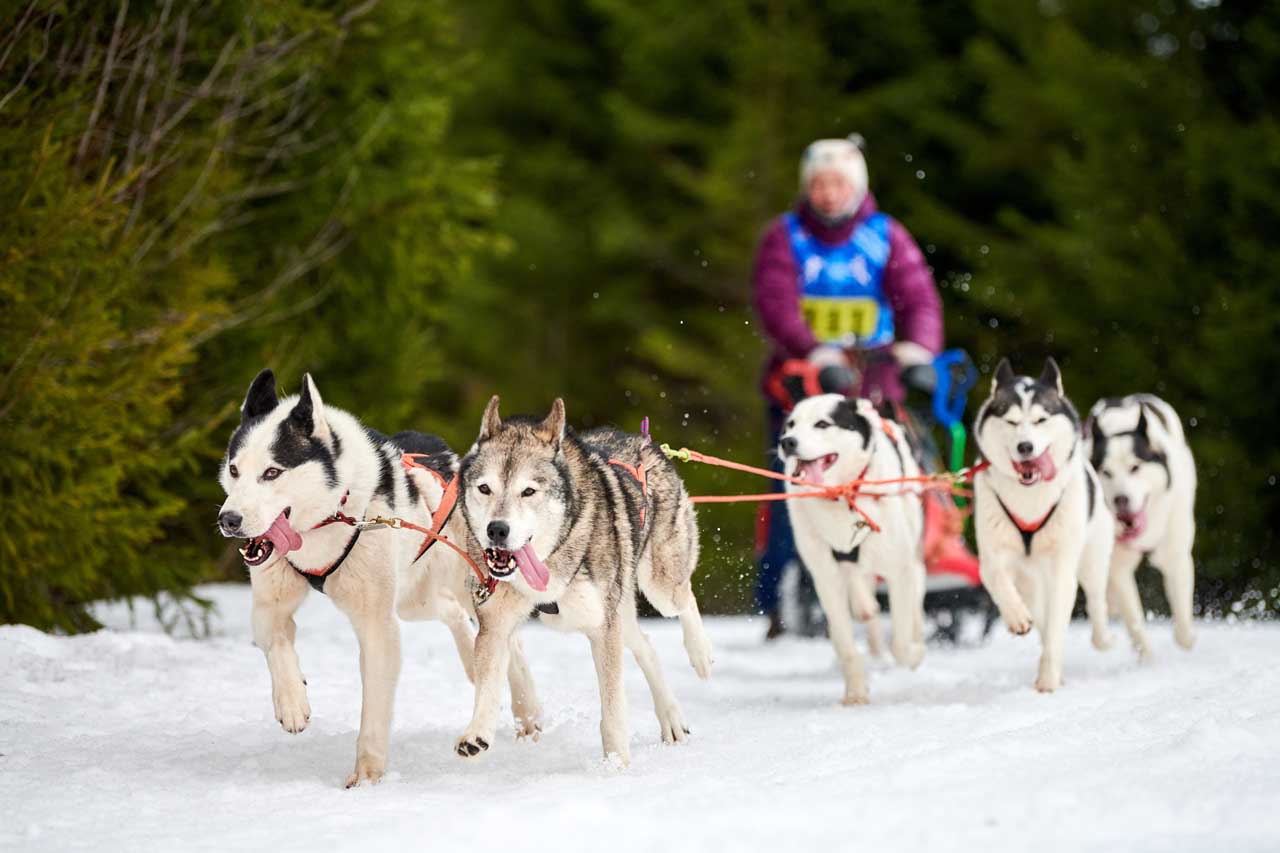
(840,155)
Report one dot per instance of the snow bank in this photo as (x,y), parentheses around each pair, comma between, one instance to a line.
(130,739)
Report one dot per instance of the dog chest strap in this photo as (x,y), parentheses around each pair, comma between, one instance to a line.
(317,578)
(1028,530)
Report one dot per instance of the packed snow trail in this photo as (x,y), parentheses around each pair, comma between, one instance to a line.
(130,739)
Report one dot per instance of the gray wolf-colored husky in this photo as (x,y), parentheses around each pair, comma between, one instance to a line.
(571,525)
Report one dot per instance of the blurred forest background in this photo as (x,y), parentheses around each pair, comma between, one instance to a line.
(424,203)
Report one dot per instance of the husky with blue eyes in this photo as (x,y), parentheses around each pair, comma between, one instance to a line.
(1149,479)
(298,475)
(1041,523)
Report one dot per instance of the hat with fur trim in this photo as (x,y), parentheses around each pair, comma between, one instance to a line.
(839,155)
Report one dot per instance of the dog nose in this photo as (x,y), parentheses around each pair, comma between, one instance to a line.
(788,445)
(1025,448)
(1122,502)
(230,521)
(498,532)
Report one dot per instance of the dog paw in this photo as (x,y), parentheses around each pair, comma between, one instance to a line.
(528,728)
(699,650)
(293,711)
(856,696)
(471,745)
(1102,640)
(1049,680)
(1017,619)
(367,770)
(672,724)
(908,654)
(1184,637)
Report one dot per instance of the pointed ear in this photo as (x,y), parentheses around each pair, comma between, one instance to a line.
(1051,375)
(1096,435)
(1141,428)
(308,413)
(551,430)
(1003,376)
(261,398)
(490,423)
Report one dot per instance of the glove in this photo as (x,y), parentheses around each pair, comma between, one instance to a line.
(910,354)
(828,355)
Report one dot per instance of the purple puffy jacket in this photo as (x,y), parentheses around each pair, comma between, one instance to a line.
(908,285)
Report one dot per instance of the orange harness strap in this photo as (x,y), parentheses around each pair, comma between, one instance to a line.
(641,477)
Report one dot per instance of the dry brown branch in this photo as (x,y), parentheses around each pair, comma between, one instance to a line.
(107,68)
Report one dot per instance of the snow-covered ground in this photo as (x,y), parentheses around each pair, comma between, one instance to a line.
(131,740)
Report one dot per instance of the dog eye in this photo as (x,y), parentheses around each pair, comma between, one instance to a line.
(822,425)
(233,471)
(271,473)
(1039,421)
(1106,474)
(484,489)
(529,492)
(1133,469)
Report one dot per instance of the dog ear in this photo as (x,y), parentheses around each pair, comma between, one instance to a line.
(551,430)
(1141,428)
(1051,375)
(490,423)
(1003,376)
(308,413)
(261,398)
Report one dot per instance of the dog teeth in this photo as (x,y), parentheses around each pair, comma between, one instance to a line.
(511,562)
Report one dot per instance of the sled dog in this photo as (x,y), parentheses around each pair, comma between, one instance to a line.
(1041,523)
(829,440)
(570,525)
(294,470)
(1148,476)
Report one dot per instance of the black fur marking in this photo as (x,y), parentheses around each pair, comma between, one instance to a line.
(845,415)
(241,434)
(261,399)
(293,448)
(303,414)
(1091,487)
(551,609)
(846,556)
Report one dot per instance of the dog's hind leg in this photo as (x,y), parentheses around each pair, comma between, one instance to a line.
(1124,590)
(606,650)
(524,699)
(670,720)
(1175,564)
(1094,569)
(278,591)
(677,599)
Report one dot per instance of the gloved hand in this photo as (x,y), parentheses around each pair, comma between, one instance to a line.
(828,355)
(910,354)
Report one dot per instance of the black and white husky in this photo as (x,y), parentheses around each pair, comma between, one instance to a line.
(294,467)
(570,525)
(1149,478)
(1041,523)
(831,440)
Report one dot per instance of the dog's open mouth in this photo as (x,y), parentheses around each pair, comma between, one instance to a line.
(279,536)
(503,563)
(1032,471)
(1132,524)
(813,469)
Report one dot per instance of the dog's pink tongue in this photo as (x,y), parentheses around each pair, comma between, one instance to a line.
(1044,463)
(1133,527)
(282,536)
(534,570)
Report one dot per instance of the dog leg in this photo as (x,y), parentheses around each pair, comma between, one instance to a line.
(696,642)
(1094,571)
(1059,598)
(905,598)
(862,598)
(831,585)
(378,631)
(524,699)
(278,591)
(455,617)
(499,617)
(1178,569)
(1124,590)
(671,722)
(996,577)
(606,650)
